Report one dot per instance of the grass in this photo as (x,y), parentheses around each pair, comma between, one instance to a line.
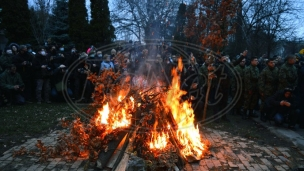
(32,118)
(19,123)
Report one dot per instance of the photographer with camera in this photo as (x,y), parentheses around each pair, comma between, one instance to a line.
(12,86)
(43,73)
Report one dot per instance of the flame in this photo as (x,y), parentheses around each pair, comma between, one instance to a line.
(103,115)
(115,118)
(180,64)
(120,119)
(187,134)
(132,102)
(116,114)
(158,140)
(119,98)
(84,154)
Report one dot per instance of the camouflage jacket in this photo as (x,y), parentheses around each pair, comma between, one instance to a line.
(251,78)
(8,80)
(268,81)
(239,73)
(288,76)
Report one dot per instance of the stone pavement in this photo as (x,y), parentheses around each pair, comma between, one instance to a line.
(295,136)
(228,152)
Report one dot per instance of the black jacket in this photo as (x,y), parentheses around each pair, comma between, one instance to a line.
(42,72)
(274,102)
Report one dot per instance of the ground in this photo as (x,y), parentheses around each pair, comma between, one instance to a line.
(20,123)
(249,129)
(29,121)
(235,144)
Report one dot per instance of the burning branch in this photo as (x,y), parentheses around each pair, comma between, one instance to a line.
(163,133)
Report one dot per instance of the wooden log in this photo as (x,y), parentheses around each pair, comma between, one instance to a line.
(118,153)
(105,155)
(173,139)
(123,163)
(207,97)
(170,119)
(175,168)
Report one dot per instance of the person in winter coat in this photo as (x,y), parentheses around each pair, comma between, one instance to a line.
(106,64)
(43,73)
(12,86)
(282,107)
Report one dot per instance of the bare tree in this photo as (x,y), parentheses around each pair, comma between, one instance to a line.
(267,21)
(144,18)
(40,15)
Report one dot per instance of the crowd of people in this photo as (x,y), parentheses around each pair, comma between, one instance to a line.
(267,87)
(273,86)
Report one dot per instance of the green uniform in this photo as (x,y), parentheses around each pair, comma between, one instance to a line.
(288,76)
(251,87)
(7,83)
(240,73)
(9,80)
(268,81)
(268,84)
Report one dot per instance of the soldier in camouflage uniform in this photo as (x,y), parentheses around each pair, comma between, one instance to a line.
(268,82)
(288,76)
(251,87)
(239,70)
(12,85)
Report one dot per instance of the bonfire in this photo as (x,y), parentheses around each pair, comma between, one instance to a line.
(160,124)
